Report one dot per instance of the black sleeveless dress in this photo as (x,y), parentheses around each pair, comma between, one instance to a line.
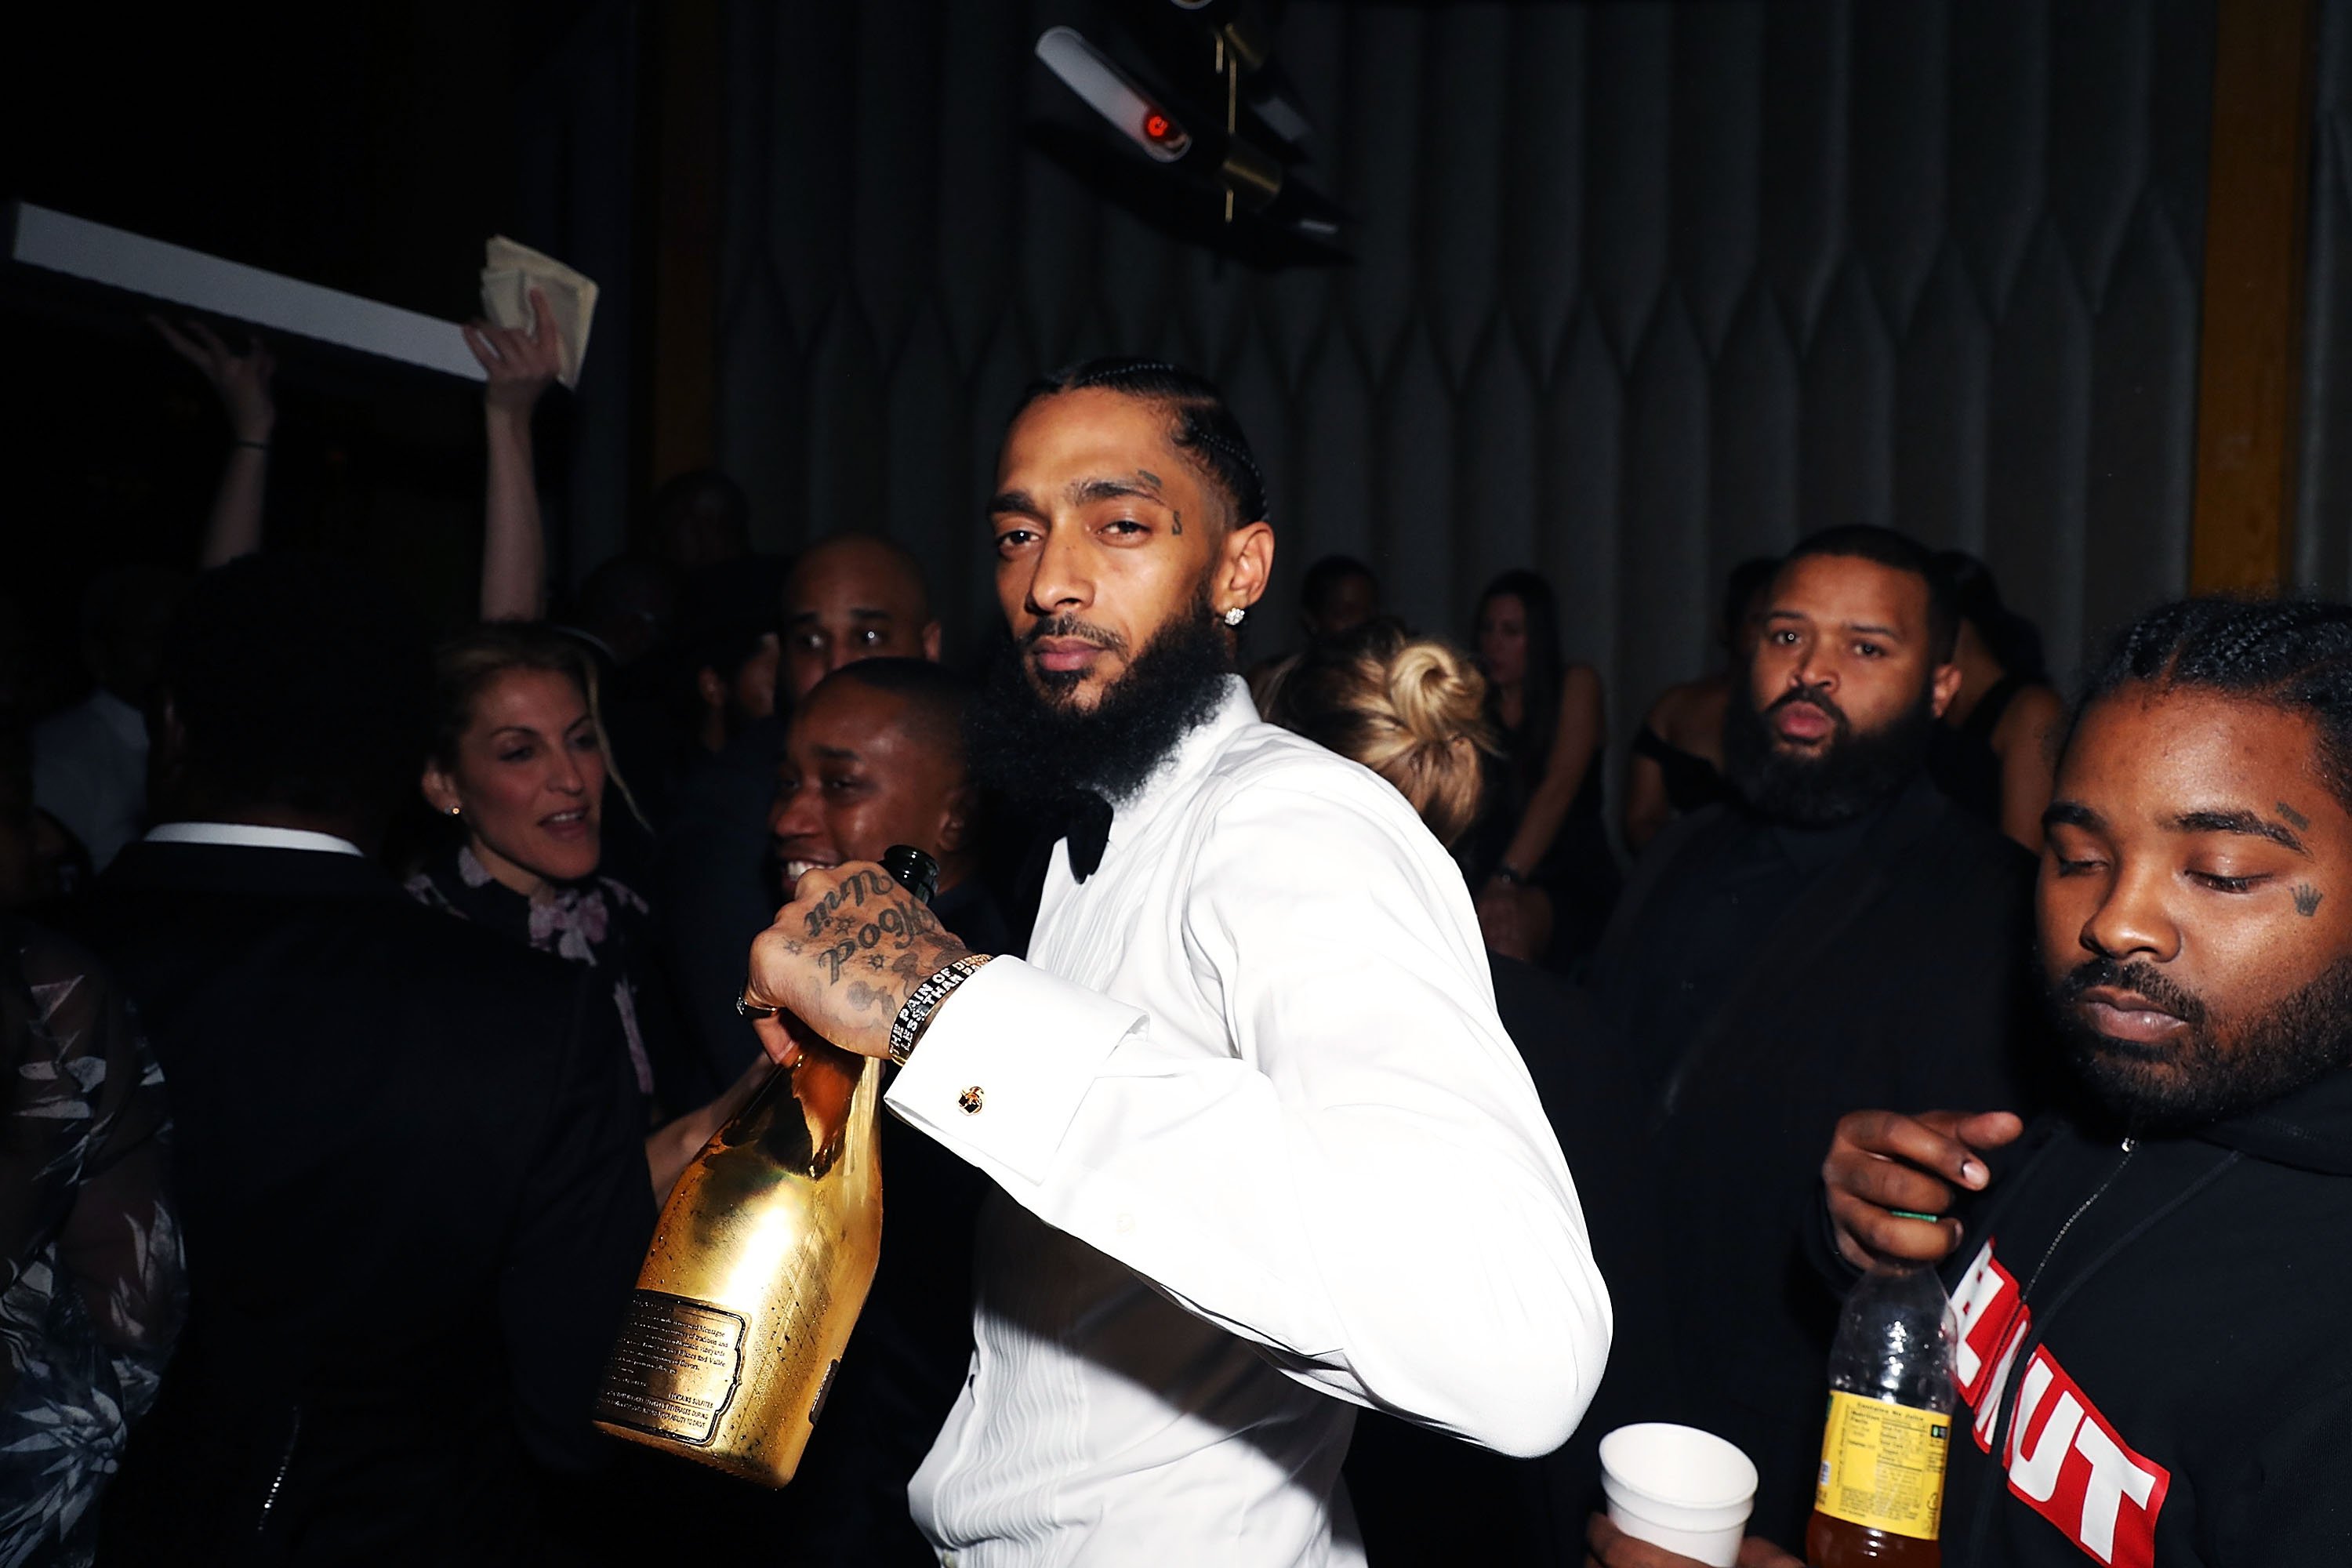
(1691,779)
(1578,871)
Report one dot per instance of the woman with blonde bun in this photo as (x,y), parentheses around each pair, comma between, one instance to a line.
(1411,708)
(1414,710)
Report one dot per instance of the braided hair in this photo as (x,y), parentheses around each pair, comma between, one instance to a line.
(2293,654)
(1206,431)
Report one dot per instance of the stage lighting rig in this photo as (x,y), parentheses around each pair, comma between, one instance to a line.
(1244,47)
(1207,150)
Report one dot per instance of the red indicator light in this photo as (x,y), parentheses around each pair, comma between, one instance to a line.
(1156,126)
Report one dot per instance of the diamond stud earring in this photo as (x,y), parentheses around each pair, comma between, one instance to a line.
(1235,615)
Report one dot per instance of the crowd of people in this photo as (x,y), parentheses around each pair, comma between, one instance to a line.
(1338,1128)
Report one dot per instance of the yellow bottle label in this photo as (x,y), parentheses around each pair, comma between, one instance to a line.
(1883,1466)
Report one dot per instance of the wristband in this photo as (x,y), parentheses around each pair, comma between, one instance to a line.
(916,1016)
(257,445)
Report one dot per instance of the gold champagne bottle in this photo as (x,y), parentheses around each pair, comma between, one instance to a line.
(759,1266)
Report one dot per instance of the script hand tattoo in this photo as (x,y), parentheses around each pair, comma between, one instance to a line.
(2307,900)
(847,958)
(857,887)
(847,944)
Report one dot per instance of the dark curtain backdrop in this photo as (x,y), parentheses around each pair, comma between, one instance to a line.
(1640,289)
(575,130)
(2323,524)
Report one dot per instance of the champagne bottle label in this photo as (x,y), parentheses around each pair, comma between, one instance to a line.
(1882,1464)
(673,1369)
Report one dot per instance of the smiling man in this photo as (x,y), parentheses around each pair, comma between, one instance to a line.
(873,756)
(2152,1361)
(1845,936)
(1263,1148)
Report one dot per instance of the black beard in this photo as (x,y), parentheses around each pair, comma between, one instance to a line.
(1042,753)
(2202,1078)
(1857,770)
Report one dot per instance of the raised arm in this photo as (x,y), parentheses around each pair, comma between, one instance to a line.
(241,382)
(520,366)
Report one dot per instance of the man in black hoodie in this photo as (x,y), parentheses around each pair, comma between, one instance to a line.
(2153,1364)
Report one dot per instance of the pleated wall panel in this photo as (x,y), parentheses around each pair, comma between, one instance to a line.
(1640,289)
(2323,530)
(575,135)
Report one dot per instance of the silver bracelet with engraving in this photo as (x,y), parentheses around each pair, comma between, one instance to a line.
(907,1026)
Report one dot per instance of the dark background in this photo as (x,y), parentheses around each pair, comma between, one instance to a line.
(1638,288)
(371,148)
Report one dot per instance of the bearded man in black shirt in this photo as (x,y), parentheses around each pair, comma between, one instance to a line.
(1844,936)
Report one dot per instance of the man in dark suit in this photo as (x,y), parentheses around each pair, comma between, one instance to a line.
(414,1192)
(1845,935)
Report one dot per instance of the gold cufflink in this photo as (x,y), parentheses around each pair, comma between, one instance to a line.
(970,1100)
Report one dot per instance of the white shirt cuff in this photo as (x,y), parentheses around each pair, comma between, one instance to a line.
(998,1075)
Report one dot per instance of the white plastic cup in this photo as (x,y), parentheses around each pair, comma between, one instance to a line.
(1679,1487)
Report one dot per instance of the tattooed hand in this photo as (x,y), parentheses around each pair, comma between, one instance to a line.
(843,956)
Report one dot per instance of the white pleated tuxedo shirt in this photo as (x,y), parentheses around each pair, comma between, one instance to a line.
(1265,1155)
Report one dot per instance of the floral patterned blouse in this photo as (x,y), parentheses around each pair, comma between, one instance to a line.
(597,921)
(91,1290)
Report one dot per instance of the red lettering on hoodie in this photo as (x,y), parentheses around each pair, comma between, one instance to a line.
(2064,1460)
(1992,1313)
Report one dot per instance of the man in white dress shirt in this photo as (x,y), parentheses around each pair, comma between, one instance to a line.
(1265,1150)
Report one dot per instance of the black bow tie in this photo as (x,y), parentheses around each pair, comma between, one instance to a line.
(1086,824)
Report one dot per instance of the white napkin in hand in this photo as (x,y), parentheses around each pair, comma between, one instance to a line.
(510,271)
